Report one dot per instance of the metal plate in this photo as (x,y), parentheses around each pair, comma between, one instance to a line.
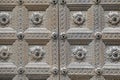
(59,39)
(28,36)
(84,54)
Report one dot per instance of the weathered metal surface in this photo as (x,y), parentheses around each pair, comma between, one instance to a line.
(59,39)
(92,29)
(27,51)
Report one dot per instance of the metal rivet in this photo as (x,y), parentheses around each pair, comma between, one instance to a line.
(20,35)
(64,71)
(63,36)
(21,70)
(63,2)
(98,35)
(54,2)
(54,35)
(54,71)
(20,2)
(98,71)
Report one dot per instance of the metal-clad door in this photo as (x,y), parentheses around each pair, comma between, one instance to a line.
(59,39)
(28,44)
(89,39)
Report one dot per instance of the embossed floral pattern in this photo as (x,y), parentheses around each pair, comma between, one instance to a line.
(4,18)
(4,52)
(78,18)
(79,53)
(36,18)
(113,53)
(113,18)
(37,52)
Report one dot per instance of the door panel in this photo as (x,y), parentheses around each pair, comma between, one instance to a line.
(27,35)
(88,37)
(8,57)
(74,25)
(59,39)
(111,40)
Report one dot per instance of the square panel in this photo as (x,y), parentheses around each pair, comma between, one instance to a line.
(80,61)
(112,19)
(6,19)
(81,53)
(37,19)
(111,60)
(7,61)
(78,19)
(111,15)
(36,53)
(112,57)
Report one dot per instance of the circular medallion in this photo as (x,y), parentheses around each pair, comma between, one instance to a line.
(113,18)
(36,18)
(37,52)
(4,18)
(4,52)
(79,53)
(113,53)
(78,18)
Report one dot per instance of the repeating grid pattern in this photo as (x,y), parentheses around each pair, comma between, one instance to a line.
(21,36)
(96,37)
(60,64)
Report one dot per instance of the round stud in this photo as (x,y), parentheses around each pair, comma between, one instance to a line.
(64,71)
(37,52)
(79,53)
(54,71)
(20,35)
(98,71)
(98,35)
(54,35)
(78,18)
(54,2)
(4,18)
(21,70)
(96,1)
(63,2)
(36,18)
(4,52)
(63,36)
(20,2)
